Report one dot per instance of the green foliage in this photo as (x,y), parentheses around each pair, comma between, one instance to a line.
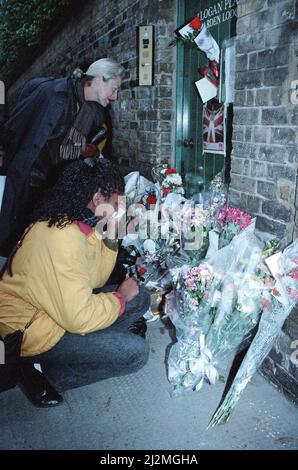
(188,40)
(25,26)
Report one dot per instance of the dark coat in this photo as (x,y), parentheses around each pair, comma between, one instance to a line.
(39,110)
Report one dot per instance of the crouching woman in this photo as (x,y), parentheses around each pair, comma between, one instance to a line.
(80,326)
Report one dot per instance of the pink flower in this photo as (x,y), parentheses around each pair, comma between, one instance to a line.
(190,284)
(268,282)
(265,303)
(294,274)
(235,215)
(275,292)
(293,293)
(231,286)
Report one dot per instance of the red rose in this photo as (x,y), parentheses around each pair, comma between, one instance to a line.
(142,270)
(214,68)
(151,199)
(203,70)
(165,191)
(196,23)
(275,292)
(170,171)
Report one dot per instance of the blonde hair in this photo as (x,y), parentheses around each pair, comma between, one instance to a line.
(107,68)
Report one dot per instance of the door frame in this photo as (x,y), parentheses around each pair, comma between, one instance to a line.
(179,87)
(180,129)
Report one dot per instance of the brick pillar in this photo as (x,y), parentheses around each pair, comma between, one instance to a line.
(265,137)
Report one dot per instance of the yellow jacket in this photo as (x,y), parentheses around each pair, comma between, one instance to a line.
(54,272)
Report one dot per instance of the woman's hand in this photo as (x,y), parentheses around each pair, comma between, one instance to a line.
(128,289)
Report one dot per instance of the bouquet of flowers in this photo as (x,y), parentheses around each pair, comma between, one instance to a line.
(219,189)
(152,237)
(151,199)
(140,191)
(191,308)
(196,281)
(171,182)
(200,218)
(231,220)
(189,32)
(196,33)
(197,221)
(237,314)
(284,298)
(218,316)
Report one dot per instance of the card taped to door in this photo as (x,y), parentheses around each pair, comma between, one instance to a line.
(206,89)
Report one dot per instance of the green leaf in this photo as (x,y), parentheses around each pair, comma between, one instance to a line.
(23,27)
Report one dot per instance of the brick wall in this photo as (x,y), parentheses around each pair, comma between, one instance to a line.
(281,365)
(142,117)
(265,138)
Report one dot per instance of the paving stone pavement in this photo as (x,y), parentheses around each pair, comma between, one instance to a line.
(137,412)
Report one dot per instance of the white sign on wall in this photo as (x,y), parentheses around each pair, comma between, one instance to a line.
(218,13)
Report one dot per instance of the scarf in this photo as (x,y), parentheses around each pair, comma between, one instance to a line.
(88,217)
(74,143)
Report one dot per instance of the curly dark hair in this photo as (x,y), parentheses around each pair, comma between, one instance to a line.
(76,184)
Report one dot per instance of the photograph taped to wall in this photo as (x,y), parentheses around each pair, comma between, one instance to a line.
(214,127)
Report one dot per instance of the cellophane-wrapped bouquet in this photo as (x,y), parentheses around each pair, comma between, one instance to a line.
(153,230)
(284,296)
(218,313)
(190,307)
(153,236)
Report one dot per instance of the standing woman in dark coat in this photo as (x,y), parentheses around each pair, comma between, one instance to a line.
(55,120)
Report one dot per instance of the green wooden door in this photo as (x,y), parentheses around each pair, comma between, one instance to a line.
(197,168)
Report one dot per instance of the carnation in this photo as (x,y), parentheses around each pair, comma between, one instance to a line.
(151,199)
(173,179)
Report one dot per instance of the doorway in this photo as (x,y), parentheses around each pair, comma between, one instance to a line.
(196,165)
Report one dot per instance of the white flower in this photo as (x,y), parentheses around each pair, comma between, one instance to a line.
(173,179)
(130,239)
(149,246)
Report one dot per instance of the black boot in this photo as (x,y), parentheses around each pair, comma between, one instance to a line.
(37,389)
(139,327)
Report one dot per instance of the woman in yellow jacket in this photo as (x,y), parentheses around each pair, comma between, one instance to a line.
(77,336)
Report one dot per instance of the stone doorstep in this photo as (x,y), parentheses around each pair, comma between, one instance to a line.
(281,379)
